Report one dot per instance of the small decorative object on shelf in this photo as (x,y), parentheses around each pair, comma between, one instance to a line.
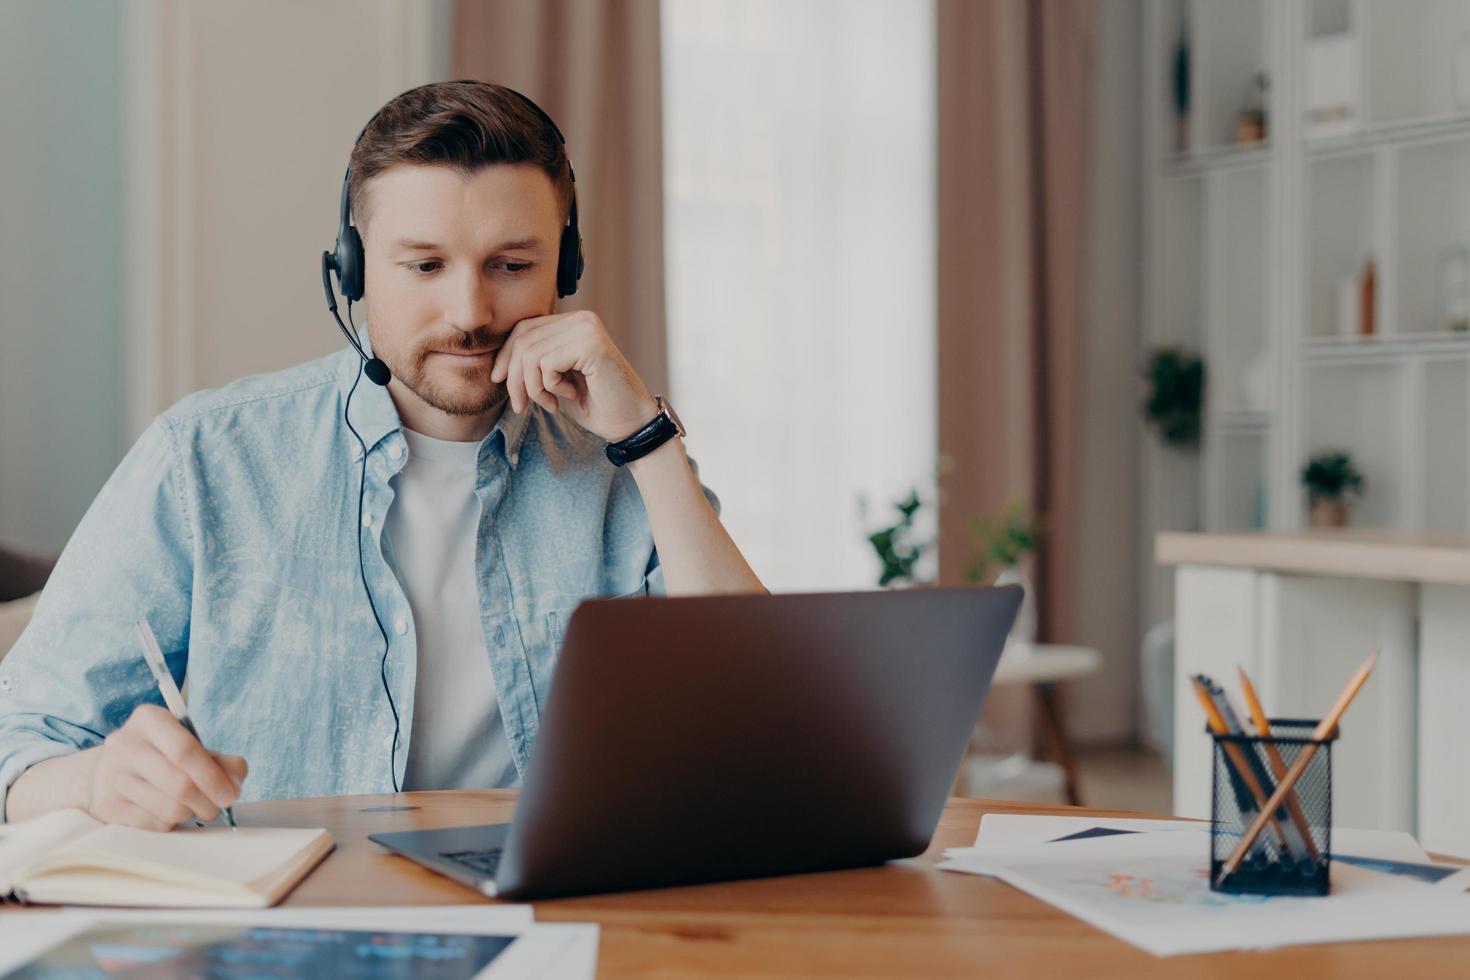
(1368,284)
(1250,123)
(1176,386)
(1007,539)
(1332,482)
(1454,288)
(1332,89)
(1180,86)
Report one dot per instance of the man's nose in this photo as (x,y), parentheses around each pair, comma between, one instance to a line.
(471,304)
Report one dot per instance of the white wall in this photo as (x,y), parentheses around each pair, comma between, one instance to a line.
(168,179)
(242,117)
(60,264)
(801,270)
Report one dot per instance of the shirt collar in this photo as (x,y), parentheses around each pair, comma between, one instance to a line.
(375,417)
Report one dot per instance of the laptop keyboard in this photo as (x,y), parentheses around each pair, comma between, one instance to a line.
(482,862)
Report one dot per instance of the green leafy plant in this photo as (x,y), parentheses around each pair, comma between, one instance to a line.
(1002,539)
(1332,476)
(1176,387)
(898,547)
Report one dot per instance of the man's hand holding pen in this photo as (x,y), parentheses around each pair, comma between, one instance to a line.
(152,774)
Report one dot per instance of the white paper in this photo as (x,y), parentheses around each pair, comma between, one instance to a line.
(1152,888)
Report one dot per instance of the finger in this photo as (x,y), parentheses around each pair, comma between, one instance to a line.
(515,383)
(185,753)
(515,341)
(555,362)
(120,811)
(110,804)
(535,389)
(178,785)
(151,800)
(558,384)
(234,766)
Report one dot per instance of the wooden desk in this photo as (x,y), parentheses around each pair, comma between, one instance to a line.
(902,920)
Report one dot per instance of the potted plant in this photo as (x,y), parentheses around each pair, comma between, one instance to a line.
(897,546)
(1007,540)
(1332,482)
(1176,385)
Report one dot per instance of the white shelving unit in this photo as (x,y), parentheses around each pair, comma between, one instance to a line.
(1247,247)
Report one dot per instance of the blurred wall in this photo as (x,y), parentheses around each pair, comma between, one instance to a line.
(242,116)
(61,266)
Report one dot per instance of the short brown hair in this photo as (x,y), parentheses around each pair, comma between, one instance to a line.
(465,125)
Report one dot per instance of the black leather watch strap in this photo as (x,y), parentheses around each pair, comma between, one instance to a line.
(665,426)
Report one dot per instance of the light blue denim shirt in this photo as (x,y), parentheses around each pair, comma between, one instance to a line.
(232,525)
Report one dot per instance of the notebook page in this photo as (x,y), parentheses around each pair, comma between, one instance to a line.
(21,844)
(208,858)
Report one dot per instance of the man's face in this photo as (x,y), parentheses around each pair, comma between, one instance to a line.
(452,264)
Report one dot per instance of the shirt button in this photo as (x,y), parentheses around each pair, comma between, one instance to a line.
(367,520)
(400,626)
(396,452)
(6,682)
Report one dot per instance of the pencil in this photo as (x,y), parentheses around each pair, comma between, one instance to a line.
(1233,752)
(1323,729)
(1278,765)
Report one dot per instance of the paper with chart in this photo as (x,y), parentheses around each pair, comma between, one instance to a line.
(1147,882)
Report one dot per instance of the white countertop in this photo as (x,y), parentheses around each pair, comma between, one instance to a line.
(1415,556)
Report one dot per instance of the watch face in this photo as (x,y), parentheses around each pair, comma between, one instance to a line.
(673,416)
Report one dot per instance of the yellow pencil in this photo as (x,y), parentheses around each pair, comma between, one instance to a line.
(1219,726)
(1323,729)
(1278,765)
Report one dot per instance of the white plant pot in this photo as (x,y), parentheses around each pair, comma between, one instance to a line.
(1024,629)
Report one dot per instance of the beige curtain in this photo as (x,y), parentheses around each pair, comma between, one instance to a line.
(1013,156)
(593,65)
(1014,115)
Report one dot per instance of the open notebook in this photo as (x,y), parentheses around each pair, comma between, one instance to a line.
(67,858)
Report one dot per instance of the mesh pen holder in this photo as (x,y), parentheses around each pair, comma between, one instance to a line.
(1293,853)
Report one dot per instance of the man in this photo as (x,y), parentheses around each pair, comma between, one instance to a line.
(411,646)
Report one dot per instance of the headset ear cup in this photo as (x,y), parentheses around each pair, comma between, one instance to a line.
(349,265)
(569,262)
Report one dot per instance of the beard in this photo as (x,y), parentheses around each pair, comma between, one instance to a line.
(452,389)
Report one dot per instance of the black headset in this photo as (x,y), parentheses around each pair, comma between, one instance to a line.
(345,259)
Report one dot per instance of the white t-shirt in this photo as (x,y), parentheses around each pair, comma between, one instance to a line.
(458,740)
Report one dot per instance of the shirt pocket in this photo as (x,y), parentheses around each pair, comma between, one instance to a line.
(558,619)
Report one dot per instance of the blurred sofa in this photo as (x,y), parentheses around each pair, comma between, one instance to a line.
(21,578)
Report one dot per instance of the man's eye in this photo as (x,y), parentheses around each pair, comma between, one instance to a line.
(424,268)
(515,268)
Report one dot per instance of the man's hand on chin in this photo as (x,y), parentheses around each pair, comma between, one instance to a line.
(567,362)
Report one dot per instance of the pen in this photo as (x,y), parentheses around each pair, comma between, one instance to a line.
(1323,729)
(153,656)
(1278,765)
(1263,776)
(1237,758)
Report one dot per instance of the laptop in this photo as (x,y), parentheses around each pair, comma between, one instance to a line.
(711,738)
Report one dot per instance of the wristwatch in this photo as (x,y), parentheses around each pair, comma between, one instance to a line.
(665,426)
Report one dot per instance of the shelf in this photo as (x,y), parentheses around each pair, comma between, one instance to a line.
(1240,421)
(1384,347)
(1403,133)
(1185,166)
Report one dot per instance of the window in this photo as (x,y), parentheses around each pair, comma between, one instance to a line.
(799,227)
